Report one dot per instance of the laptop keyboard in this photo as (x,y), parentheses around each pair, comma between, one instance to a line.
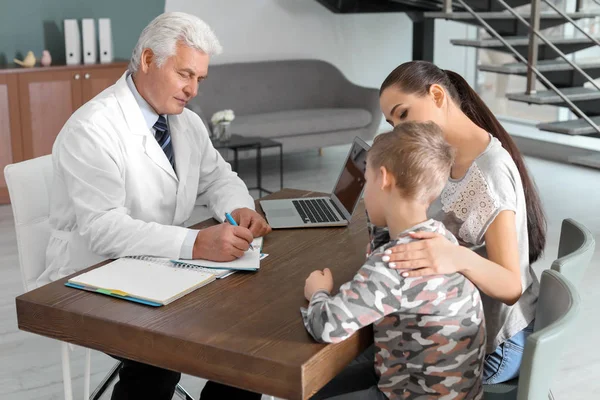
(315,211)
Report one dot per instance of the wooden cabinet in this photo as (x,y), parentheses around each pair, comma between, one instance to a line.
(48,98)
(10,129)
(95,81)
(47,101)
(35,104)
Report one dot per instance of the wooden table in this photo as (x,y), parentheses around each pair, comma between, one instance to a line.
(245,330)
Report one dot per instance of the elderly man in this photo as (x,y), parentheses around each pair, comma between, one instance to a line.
(129,166)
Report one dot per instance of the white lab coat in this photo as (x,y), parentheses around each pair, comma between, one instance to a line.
(115,193)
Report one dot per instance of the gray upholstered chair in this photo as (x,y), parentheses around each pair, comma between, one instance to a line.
(575,250)
(304,104)
(555,320)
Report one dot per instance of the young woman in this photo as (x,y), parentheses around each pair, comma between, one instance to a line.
(489,203)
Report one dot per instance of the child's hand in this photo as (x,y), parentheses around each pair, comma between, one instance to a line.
(316,281)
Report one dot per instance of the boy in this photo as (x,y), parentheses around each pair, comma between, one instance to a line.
(429,331)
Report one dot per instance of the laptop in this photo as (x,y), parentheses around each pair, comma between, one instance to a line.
(335,210)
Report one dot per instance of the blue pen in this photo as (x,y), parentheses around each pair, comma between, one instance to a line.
(230,219)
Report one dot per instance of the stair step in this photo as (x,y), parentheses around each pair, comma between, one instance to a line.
(591,160)
(505,23)
(543,66)
(423,5)
(566,45)
(549,97)
(517,41)
(501,15)
(574,127)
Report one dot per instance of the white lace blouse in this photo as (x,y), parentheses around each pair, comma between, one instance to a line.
(468,206)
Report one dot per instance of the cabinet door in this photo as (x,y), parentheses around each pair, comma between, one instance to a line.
(95,80)
(47,99)
(10,129)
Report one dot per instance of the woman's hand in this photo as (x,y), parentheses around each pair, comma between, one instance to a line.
(432,255)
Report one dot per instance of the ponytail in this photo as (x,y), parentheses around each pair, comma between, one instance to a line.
(418,76)
(478,112)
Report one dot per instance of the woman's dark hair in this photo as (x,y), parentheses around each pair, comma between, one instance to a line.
(416,77)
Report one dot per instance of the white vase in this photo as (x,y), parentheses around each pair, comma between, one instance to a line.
(223,131)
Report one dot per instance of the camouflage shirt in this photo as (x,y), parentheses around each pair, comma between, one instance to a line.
(429,331)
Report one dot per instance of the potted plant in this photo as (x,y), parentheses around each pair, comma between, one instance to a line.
(221,121)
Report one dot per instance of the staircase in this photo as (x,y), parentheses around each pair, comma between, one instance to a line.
(510,33)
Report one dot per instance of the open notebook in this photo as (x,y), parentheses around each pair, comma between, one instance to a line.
(158,281)
(142,281)
(250,261)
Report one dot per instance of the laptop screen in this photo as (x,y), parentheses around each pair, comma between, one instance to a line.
(351,182)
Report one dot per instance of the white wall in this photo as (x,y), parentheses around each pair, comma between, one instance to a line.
(365,47)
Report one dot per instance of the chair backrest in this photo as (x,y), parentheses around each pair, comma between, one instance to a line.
(29,184)
(557,308)
(575,250)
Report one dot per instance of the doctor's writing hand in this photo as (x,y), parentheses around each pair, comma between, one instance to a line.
(252,220)
(222,242)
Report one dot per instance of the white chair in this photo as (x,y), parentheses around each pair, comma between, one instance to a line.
(29,185)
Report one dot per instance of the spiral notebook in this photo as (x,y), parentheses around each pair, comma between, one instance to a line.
(159,281)
(151,282)
(250,261)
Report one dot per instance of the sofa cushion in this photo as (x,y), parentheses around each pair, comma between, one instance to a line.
(300,122)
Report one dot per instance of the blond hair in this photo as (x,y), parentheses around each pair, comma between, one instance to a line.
(417,156)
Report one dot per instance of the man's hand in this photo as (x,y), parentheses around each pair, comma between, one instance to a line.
(316,281)
(223,242)
(251,220)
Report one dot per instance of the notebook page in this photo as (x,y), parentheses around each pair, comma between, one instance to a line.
(250,261)
(218,273)
(144,279)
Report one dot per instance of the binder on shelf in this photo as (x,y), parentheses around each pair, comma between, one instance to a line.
(105,40)
(88,28)
(72,42)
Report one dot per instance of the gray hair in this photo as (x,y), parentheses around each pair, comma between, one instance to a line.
(162,34)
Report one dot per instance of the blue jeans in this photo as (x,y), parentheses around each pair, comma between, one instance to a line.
(505,362)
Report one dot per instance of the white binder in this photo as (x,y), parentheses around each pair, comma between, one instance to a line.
(72,42)
(105,36)
(88,28)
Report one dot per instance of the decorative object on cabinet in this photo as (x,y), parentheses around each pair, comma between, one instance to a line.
(28,61)
(46,59)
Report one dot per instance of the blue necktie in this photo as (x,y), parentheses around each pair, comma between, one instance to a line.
(163,137)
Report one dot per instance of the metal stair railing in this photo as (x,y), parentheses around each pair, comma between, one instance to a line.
(532,71)
(572,22)
(535,16)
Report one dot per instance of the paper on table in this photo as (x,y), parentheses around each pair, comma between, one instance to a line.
(142,279)
(250,261)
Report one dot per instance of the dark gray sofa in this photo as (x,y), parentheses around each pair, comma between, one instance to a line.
(303,104)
